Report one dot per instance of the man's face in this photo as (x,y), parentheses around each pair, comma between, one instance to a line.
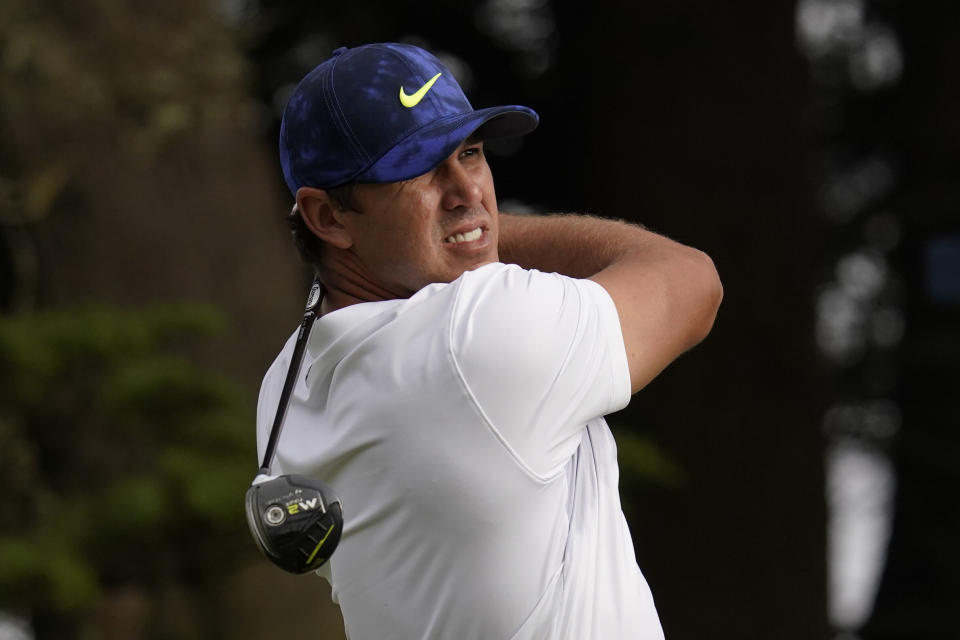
(429,229)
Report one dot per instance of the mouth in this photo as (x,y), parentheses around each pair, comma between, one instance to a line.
(467,236)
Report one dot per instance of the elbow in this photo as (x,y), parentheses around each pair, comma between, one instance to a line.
(709,295)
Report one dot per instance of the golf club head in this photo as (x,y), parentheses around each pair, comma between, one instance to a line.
(295,520)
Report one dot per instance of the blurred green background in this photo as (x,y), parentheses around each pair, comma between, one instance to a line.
(793,477)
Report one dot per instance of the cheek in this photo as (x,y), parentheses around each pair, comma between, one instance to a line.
(397,242)
(489,192)
(490,201)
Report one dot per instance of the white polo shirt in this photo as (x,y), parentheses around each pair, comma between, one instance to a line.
(463,430)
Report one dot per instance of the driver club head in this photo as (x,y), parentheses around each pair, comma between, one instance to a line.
(296,521)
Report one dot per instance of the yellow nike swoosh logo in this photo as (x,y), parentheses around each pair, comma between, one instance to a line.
(414,99)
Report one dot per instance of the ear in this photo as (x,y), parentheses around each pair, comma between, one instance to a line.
(322,217)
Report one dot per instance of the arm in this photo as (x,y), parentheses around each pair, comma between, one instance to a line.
(666,294)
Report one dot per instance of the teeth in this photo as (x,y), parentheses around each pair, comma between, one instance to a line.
(465,237)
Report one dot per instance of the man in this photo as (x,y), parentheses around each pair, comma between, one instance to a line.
(454,387)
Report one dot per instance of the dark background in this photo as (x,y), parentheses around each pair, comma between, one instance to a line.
(138,175)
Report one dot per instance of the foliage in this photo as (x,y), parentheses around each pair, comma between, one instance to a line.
(120,460)
(94,93)
(128,76)
(643,462)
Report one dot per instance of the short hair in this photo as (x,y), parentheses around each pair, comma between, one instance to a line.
(308,245)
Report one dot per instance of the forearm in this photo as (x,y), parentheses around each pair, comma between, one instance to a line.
(575,245)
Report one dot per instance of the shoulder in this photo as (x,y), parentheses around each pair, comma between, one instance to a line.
(522,324)
(541,354)
(501,300)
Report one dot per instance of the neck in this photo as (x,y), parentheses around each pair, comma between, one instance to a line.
(346,283)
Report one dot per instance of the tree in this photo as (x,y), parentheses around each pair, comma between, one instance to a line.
(132,177)
(107,448)
(915,599)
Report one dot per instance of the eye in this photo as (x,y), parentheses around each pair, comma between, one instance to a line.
(472,150)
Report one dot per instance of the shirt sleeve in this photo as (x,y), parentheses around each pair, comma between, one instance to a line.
(542,355)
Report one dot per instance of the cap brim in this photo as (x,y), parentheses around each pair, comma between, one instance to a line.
(430,145)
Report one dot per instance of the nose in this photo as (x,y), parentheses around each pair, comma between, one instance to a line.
(461,188)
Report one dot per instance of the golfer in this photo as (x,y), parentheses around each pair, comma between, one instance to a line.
(454,386)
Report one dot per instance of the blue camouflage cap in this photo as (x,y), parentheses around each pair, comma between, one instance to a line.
(382,113)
